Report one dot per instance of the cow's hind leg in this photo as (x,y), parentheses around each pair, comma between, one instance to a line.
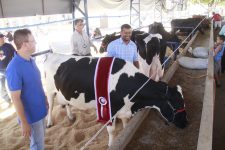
(51,103)
(111,132)
(69,113)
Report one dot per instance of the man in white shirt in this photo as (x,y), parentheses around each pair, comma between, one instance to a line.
(80,41)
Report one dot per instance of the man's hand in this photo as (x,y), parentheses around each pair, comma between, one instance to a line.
(26,130)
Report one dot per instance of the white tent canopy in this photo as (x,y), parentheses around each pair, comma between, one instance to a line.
(20,8)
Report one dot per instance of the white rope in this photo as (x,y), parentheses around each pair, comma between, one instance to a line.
(99,131)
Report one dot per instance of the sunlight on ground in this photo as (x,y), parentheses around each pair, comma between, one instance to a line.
(4,105)
(6,110)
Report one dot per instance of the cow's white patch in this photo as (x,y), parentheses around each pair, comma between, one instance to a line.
(179,89)
(125,111)
(128,68)
(144,67)
(157,108)
(150,36)
(79,102)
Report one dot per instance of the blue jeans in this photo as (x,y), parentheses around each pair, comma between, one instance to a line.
(37,135)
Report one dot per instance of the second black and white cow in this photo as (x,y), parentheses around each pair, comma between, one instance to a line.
(71,80)
(172,40)
(157,27)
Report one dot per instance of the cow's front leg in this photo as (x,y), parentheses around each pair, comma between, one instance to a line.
(51,103)
(111,132)
(69,113)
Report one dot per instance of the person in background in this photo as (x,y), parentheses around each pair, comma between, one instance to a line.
(218,52)
(123,47)
(9,36)
(222,32)
(6,55)
(217,20)
(28,96)
(80,42)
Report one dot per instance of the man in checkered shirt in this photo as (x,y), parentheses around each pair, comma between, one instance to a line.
(123,47)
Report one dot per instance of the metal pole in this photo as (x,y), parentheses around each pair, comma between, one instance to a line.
(135,13)
(130,10)
(86,17)
(73,13)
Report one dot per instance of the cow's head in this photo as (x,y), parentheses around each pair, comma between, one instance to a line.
(157,27)
(175,100)
(167,100)
(105,42)
(148,46)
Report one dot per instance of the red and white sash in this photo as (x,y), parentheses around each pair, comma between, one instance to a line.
(101,83)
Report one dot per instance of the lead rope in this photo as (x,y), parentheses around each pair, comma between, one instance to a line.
(99,131)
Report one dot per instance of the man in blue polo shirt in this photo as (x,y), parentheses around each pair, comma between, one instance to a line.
(24,82)
(6,55)
(123,47)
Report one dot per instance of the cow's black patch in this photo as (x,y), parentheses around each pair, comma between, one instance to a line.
(75,77)
(118,65)
(153,47)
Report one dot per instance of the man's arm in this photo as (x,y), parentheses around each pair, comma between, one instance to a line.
(217,49)
(26,130)
(136,64)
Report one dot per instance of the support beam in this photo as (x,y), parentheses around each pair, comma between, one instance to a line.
(75,6)
(135,13)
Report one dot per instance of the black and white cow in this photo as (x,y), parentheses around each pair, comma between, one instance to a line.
(157,27)
(71,80)
(148,46)
(172,40)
